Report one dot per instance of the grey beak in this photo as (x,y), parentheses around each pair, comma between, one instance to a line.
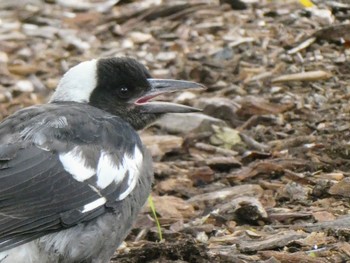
(161,86)
(171,85)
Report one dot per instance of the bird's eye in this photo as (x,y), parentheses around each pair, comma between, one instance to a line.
(124,93)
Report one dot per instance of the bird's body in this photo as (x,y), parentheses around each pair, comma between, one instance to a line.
(50,159)
(74,173)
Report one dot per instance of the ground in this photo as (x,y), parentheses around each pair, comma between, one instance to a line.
(262,175)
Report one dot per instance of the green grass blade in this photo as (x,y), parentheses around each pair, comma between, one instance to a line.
(151,204)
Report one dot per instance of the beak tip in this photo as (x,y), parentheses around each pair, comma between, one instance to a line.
(202,86)
(194,109)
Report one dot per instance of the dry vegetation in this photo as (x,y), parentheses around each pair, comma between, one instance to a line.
(263,174)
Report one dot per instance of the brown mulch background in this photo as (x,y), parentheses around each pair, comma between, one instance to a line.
(262,175)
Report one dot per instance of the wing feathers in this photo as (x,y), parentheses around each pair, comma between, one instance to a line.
(55,173)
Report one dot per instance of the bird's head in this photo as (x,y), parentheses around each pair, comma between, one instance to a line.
(123,87)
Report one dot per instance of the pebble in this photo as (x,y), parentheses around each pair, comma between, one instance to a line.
(190,122)
(139,37)
(184,97)
(166,56)
(3,57)
(221,108)
(24,86)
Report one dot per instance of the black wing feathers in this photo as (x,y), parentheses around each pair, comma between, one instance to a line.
(37,195)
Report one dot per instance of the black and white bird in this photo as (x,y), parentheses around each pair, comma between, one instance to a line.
(74,173)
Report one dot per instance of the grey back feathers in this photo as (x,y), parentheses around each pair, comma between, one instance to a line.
(76,169)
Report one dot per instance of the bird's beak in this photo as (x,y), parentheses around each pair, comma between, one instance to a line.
(161,86)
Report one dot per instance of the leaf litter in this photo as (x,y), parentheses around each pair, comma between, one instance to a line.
(262,175)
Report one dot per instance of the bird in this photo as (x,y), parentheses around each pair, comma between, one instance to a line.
(74,173)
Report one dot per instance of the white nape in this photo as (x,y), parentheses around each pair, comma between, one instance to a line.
(78,83)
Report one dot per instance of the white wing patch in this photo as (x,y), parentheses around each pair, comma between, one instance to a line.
(106,170)
(91,206)
(133,165)
(73,162)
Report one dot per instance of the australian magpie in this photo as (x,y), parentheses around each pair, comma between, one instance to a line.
(73,172)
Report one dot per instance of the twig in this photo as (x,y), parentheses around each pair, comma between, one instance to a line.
(303,76)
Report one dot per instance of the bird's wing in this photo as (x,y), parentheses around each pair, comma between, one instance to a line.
(59,169)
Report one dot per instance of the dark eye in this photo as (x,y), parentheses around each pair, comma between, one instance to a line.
(124,93)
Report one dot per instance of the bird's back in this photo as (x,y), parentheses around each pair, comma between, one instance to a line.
(73,177)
